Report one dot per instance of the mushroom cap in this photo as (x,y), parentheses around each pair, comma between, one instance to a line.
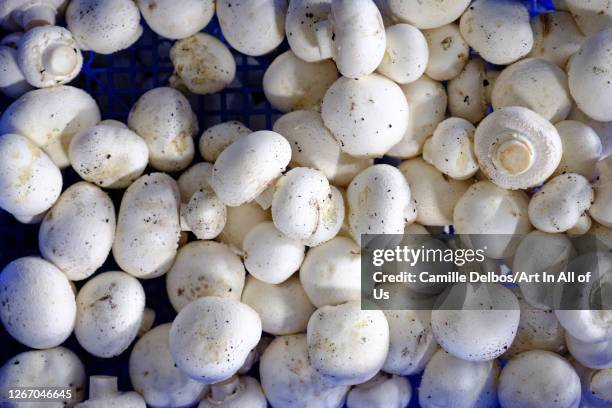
(536,84)
(379,202)
(450,381)
(50,117)
(498,30)
(601,210)
(252,28)
(164,119)
(204,268)
(25,14)
(517,148)
(428,14)
(590,78)
(283,308)
(271,256)
(448,52)
(539,378)
(597,355)
(202,63)
(406,56)
(37,304)
(240,220)
(336,334)
(290,83)
(49,56)
(170,21)
(560,203)
(110,309)
(105,26)
(194,179)
(156,377)
(211,337)
(484,329)
(313,145)
(217,137)
(148,230)
(427,102)
(367,116)
(384,389)
(582,148)
(247,394)
(29,181)
(467,97)
(54,367)
(591,16)
(77,233)
(301,27)
(205,214)
(289,379)
(436,195)
(451,148)
(556,37)
(246,167)
(12,83)
(331,272)
(108,155)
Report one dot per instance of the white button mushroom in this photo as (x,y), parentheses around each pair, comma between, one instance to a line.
(205,214)
(78,231)
(289,379)
(163,118)
(590,76)
(283,308)
(290,83)
(450,381)
(559,205)
(109,156)
(49,56)
(193,179)
(331,272)
(216,138)
(367,116)
(12,83)
(435,195)
(427,102)
(252,27)
(336,335)
(50,117)
(29,181)
(103,393)
(240,220)
(271,256)
(211,338)
(407,53)
(590,354)
(451,149)
(591,16)
(37,305)
(539,378)
(498,30)
(246,167)
(170,21)
(204,268)
(156,377)
(237,392)
(448,52)
(202,63)
(104,27)
(379,201)
(313,145)
(383,390)
(555,37)
(517,148)
(535,84)
(427,14)
(467,92)
(110,309)
(595,386)
(301,27)
(148,229)
(581,148)
(55,367)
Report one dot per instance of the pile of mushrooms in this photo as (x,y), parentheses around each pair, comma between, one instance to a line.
(406,118)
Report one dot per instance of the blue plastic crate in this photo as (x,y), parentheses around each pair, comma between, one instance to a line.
(116,82)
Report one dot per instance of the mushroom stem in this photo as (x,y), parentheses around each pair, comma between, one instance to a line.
(514,155)
(221,390)
(37,15)
(324,33)
(601,384)
(102,386)
(59,59)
